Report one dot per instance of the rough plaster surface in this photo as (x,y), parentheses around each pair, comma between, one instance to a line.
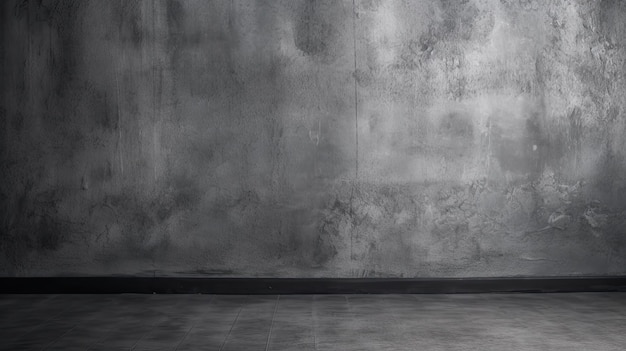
(313,138)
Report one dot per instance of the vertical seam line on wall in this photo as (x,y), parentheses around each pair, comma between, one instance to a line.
(154,93)
(356,95)
(118,69)
(154,109)
(356,125)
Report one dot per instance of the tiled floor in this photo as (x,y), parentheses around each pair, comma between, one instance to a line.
(585,321)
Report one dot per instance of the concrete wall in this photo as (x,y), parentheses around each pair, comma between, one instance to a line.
(313,138)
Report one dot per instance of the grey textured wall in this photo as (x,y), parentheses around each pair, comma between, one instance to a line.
(313,138)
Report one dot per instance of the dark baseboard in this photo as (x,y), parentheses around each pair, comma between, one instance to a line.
(167,285)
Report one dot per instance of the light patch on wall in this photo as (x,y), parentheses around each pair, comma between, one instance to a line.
(501,41)
(286,43)
(385,34)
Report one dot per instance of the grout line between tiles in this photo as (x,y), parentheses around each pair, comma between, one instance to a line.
(269,334)
(231,329)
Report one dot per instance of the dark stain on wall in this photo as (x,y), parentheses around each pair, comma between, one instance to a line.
(458,19)
(127,16)
(315,32)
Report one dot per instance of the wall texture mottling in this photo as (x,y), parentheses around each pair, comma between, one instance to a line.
(374,138)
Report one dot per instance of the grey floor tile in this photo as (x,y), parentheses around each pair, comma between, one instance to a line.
(592,321)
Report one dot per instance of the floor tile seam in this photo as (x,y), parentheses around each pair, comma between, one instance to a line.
(192,326)
(58,338)
(154,325)
(269,333)
(231,329)
(107,331)
(39,325)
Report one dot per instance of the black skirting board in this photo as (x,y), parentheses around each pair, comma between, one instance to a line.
(265,286)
